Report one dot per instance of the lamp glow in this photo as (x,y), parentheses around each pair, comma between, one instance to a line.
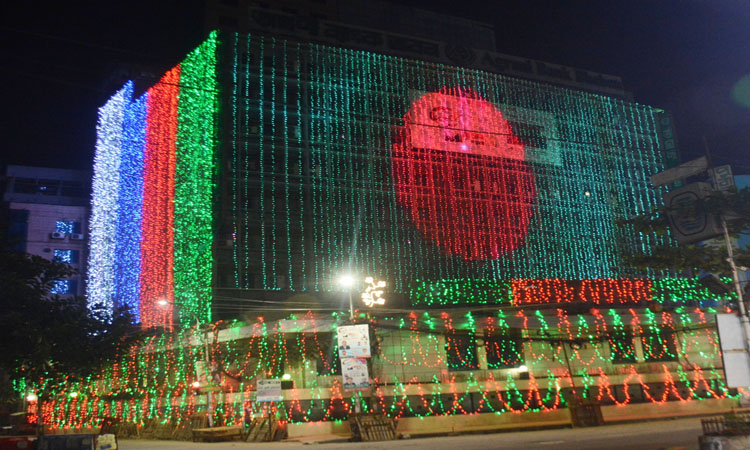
(346,281)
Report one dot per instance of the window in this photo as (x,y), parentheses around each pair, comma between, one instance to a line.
(25,186)
(18,226)
(621,347)
(66,256)
(49,187)
(67,227)
(330,364)
(529,134)
(64,287)
(659,345)
(322,348)
(504,351)
(73,189)
(461,351)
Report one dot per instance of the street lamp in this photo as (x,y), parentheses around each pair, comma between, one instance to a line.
(347,282)
(164,303)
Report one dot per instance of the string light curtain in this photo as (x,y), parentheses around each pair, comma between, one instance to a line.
(152,206)
(104,200)
(130,205)
(346,161)
(337,160)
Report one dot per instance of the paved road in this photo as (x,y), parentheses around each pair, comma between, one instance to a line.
(679,434)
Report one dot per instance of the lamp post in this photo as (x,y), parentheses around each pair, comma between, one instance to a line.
(347,282)
(164,303)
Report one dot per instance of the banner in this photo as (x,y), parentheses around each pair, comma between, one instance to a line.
(354,341)
(355,374)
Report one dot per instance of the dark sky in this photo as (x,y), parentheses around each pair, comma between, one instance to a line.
(685,56)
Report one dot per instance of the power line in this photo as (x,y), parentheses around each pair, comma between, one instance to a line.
(71,41)
(54,80)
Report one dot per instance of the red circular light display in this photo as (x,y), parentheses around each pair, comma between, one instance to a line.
(461,175)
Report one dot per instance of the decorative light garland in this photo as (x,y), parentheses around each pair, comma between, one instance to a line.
(130,199)
(373,144)
(104,200)
(599,292)
(194,182)
(153,194)
(153,381)
(157,238)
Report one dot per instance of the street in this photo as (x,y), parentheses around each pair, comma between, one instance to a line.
(651,435)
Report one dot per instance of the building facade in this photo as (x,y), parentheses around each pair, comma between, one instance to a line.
(263,165)
(487,195)
(47,212)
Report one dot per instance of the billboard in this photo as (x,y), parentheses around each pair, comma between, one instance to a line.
(688,225)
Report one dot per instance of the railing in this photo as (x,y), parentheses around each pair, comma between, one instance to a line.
(728,425)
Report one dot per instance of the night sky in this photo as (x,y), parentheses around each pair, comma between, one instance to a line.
(690,57)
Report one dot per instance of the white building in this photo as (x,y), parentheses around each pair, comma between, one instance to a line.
(48,215)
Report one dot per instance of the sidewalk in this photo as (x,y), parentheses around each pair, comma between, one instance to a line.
(655,435)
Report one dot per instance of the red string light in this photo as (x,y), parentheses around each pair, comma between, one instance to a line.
(461,175)
(598,292)
(157,242)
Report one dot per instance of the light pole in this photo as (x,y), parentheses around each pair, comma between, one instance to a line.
(347,282)
(164,303)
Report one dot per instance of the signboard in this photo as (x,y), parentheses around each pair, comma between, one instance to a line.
(722,177)
(355,374)
(354,341)
(687,227)
(667,138)
(733,354)
(269,391)
(680,172)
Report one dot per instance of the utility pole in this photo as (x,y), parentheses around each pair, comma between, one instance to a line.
(744,319)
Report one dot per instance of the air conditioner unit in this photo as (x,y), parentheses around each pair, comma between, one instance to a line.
(57,235)
(76,237)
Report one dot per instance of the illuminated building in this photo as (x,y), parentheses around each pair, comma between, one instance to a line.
(263,165)
(261,168)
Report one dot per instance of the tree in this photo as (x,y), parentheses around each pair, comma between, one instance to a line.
(733,205)
(47,341)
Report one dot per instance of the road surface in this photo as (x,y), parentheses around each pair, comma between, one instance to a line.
(676,434)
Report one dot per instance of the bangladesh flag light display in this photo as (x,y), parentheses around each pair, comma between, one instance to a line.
(406,170)
(259,163)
